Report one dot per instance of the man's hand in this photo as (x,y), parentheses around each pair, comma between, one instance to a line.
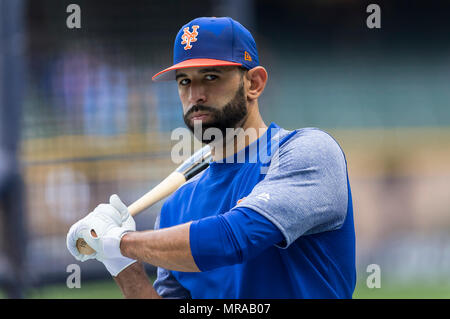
(103,229)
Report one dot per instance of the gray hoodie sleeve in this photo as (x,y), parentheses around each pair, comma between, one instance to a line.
(305,188)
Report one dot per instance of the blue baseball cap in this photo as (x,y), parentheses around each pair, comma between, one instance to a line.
(211,41)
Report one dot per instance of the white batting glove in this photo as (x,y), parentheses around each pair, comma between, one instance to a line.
(113,259)
(75,232)
(103,218)
(109,222)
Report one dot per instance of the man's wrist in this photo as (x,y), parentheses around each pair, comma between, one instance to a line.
(134,282)
(124,245)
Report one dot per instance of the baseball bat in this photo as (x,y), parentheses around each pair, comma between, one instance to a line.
(188,169)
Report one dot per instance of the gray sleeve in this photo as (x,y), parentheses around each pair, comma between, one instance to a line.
(305,188)
(166,285)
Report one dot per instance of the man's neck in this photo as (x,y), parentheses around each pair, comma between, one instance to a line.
(252,128)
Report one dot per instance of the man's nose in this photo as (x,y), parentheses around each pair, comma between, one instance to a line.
(196,94)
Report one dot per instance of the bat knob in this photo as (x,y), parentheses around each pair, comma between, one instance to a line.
(83,247)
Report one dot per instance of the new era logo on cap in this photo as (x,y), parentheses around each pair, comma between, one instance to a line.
(211,42)
(247,56)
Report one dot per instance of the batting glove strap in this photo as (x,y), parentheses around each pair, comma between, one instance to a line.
(113,259)
(111,242)
(116,265)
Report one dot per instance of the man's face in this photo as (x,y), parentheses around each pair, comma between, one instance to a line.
(213,97)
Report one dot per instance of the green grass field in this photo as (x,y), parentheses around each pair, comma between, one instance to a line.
(413,290)
(109,290)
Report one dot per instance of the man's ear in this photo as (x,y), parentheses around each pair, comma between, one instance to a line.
(257,78)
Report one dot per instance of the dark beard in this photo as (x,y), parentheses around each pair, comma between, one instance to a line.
(228,117)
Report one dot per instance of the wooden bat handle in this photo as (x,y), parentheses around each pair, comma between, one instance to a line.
(162,190)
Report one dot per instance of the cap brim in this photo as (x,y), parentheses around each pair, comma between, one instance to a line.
(169,73)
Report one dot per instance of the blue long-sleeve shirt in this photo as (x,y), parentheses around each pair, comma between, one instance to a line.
(231,238)
(276,226)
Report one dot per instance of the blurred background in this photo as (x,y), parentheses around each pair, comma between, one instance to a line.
(80,120)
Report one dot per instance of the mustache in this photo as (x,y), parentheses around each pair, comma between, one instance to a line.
(198,108)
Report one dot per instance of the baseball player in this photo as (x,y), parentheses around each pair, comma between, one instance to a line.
(269,226)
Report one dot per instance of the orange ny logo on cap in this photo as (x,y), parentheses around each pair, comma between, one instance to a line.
(189,37)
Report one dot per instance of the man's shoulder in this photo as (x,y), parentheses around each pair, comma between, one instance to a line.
(308,132)
(309,136)
(309,143)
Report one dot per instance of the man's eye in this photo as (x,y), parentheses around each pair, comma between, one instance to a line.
(211,77)
(184,82)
